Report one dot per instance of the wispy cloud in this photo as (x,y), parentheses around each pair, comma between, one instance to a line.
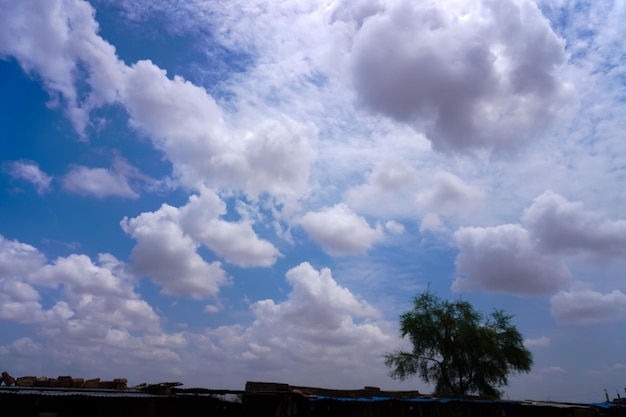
(29,171)
(539,342)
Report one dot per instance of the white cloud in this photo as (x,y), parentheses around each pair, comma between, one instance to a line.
(279,156)
(93,298)
(18,260)
(318,301)
(236,242)
(450,194)
(180,231)
(49,45)
(19,291)
(505,259)
(97,295)
(431,222)
(78,272)
(564,226)
(167,255)
(552,370)
(389,190)
(616,369)
(340,231)
(19,301)
(539,342)
(212,308)
(462,71)
(585,306)
(25,346)
(397,188)
(30,171)
(394,227)
(182,119)
(356,11)
(530,258)
(186,123)
(293,71)
(102,182)
(168,240)
(321,327)
(390,176)
(97,182)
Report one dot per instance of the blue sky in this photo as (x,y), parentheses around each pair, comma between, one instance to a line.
(217,192)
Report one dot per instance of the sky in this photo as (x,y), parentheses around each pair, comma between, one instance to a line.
(216,192)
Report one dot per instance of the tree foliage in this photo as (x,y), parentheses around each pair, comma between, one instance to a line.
(457,348)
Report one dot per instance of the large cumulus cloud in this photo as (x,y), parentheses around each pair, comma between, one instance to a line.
(532,257)
(168,240)
(505,259)
(341,231)
(471,74)
(564,226)
(87,312)
(321,328)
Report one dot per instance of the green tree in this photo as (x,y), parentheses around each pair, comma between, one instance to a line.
(457,348)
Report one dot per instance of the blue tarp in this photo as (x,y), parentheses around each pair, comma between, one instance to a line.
(417,399)
(607,405)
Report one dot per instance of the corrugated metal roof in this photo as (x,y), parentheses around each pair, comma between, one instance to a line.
(73,392)
(553,404)
(266,387)
(367,392)
(206,391)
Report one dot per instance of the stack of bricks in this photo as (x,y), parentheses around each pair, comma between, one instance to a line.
(63,382)
(7,379)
